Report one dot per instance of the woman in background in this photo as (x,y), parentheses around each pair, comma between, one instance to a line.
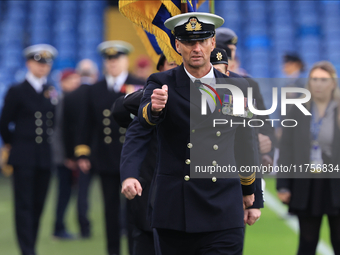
(315,140)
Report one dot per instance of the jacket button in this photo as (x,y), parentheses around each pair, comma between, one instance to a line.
(38,115)
(108,139)
(122,130)
(215,147)
(214,163)
(122,139)
(39,131)
(107,131)
(49,115)
(38,122)
(218,133)
(187,161)
(106,121)
(214,179)
(49,123)
(38,139)
(186,178)
(189,145)
(106,113)
(49,131)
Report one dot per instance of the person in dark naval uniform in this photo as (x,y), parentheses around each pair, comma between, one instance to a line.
(138,139)
(101,138)
(74,105)
(219,59)
(195,215)
(26,126)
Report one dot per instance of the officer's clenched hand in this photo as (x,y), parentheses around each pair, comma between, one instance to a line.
(248,201)
(251,216)
(131,187)
(159,98)
(84,165)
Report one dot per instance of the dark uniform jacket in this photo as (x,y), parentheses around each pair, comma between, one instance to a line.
(295,150)
(32,114)
(100,136)
(180,202)
(74,106)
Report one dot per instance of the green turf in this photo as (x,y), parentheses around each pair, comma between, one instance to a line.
(270,235)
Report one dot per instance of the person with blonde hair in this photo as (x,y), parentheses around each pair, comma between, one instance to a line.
(315,140)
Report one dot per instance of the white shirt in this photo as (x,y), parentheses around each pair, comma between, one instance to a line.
(116,83)
(209,79)
(36,83)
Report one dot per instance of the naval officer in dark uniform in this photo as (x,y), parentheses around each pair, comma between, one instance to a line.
(194,216)
(26,127)
(101,138)
(75,103)
(219,59)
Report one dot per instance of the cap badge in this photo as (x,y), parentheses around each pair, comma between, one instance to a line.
(219,56)
(193,25)
(110,51)
(45,54)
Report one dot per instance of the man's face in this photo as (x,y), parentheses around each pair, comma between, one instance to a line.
(232,48)
(221,68)
(116,66)
(70,83)
(39,70)
(196,54)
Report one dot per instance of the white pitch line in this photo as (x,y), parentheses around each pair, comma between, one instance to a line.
(276,206)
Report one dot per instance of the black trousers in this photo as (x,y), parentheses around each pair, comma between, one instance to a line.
(111,193)
(65,188)
(30,189)
(84,182)
(227,242)
(143,242)
(309,233)
(64,194)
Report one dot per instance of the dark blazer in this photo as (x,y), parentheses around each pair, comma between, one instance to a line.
(295,150)
(32,114)
(98,129)
(189,204)
(75,104)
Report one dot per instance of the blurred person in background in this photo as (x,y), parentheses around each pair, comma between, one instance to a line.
(100,137)
(315,140)
(75,104)
(26,126)
(66,168)
(293,68)
(219,59)
(143,238)
(227,39)
(143,67)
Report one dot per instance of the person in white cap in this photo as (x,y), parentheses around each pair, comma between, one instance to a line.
(194,215)
(100,137)
(30,107)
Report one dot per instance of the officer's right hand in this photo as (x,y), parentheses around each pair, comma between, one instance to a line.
(131,187)
(248,201)
(84,165)
(159,98)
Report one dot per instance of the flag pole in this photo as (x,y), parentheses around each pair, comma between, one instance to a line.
(212,6)
(184,6)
